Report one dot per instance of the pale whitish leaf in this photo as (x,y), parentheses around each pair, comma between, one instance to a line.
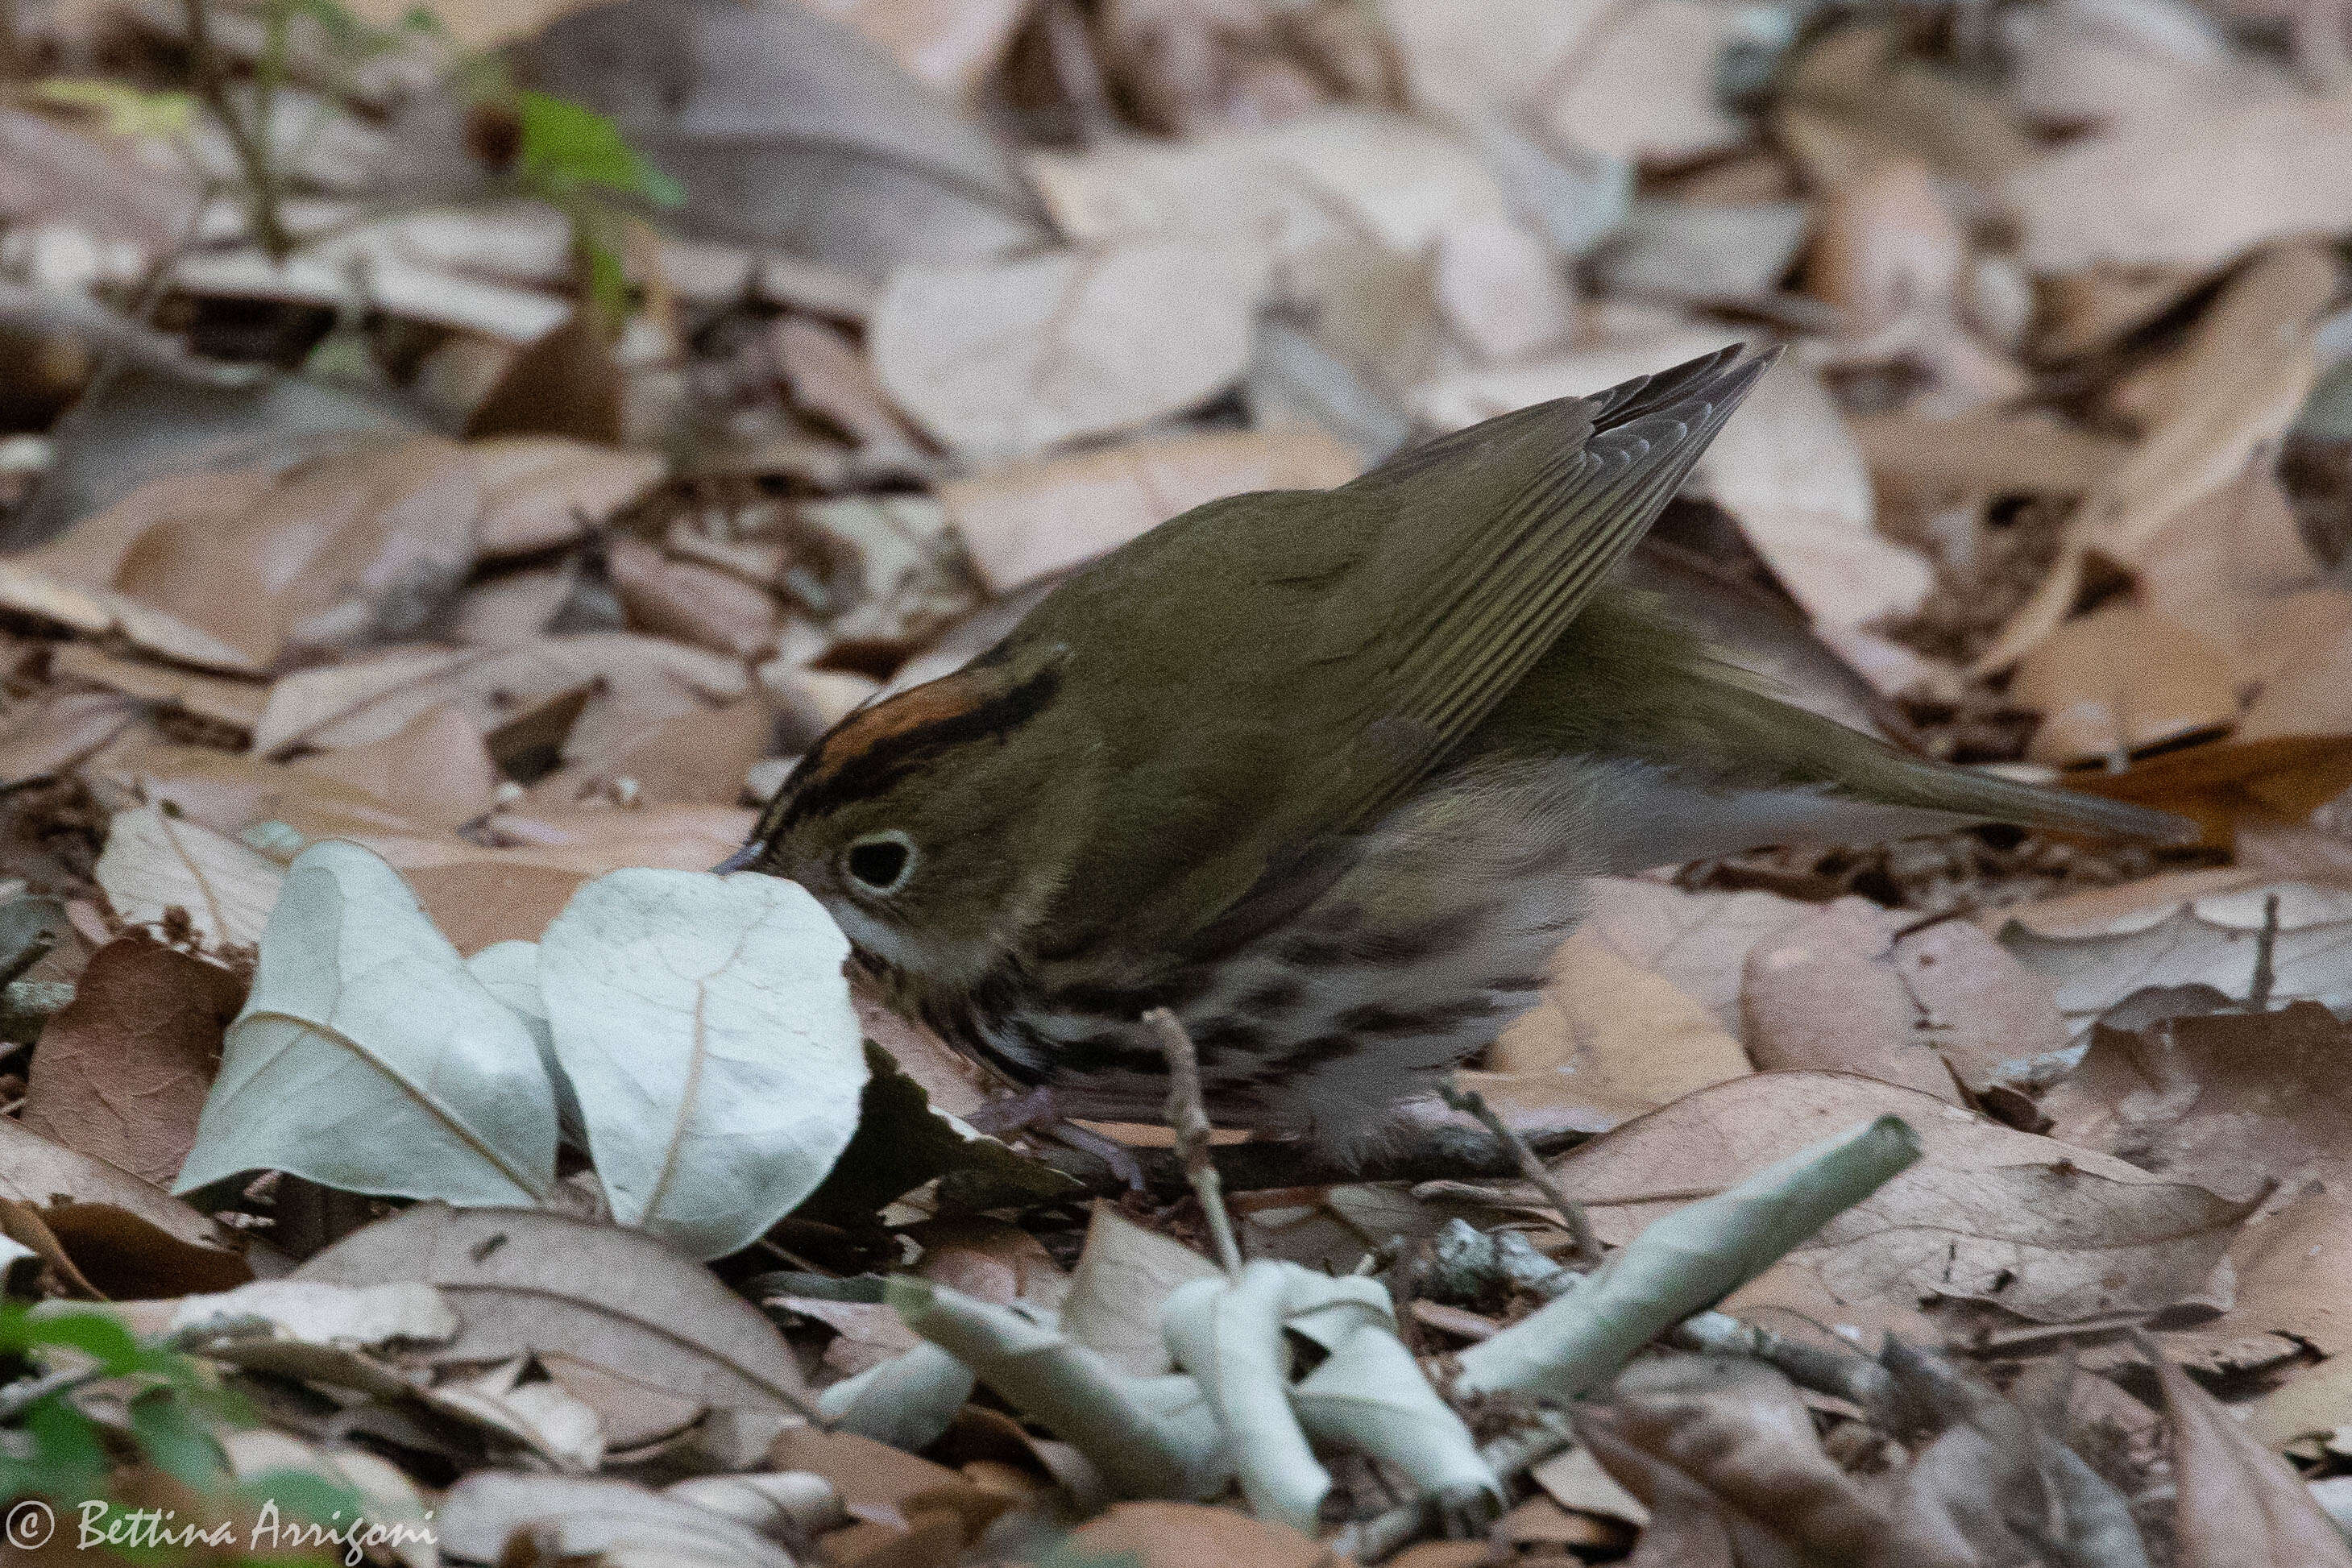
(1686,1261)
(154,863)
(510,972)
(1369,1394)
(544,1416)
(367,1058)
(312,1312)
(1228,1335)
(907,1401)
(1150,1437)
(706,1027)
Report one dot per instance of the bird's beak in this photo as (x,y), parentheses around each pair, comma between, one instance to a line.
(739,861)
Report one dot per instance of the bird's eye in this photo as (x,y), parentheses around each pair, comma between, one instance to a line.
(880,862)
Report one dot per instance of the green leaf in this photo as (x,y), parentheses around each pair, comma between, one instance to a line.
(94,1334)
(567,146)
(67,1457)
(175,1442)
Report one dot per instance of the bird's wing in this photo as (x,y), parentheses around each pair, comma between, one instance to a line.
(1495,538)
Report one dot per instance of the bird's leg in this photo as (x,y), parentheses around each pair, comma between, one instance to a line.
(1038,1111)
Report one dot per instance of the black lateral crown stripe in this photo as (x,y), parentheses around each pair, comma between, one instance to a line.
(878,767)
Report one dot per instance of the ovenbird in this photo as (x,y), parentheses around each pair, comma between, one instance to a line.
(1322,771)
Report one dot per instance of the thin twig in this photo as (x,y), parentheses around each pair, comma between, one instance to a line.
(2258,994)
(1509,1457)
(35,948)
(21,1397)
(1470,1102)
(1190,1118)
(249,141)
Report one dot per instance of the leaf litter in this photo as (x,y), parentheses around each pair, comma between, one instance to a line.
(853,319)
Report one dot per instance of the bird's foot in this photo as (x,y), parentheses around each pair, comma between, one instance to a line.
(1014,1112)
(1038,1112)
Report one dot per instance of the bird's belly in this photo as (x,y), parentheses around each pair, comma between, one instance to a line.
(1438,933)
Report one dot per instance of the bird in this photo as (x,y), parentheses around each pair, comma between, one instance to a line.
(1325,774)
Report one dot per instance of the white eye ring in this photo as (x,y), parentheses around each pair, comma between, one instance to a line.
(880,862)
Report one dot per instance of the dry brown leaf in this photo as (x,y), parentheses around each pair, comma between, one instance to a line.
(643,679)
(2110,67)
(540,491)
(691,602)
(2290,1265)
(1884,247)
(435,770)
(997,359)
(2282,638)
(123,1070)
(2202,446)
(1575,1480)
(1335,176)
(682,838)
(562,382)
(830,376)
(2223,566)
(951,45)
(1641,86)
(341,551)
(1937,1009)
(1026,520)
(523,1282)
(477,902)
(1858,96)
(228,791)
(2241,1506)
(88,554)
(2199,928)
(2245,783)
(1502,290)
(697,758)
(867,1475)
(2275,298)
(1609,1041)
(2311,693)
(154,863)
(44,738)
(514,607)
(1728,1444)
(2085,309)
(2045,1230)
(96,612)
(133,1240)
(1186,1535)
(2233,1102)
(1697,942)
(1793,478)
(1984,451)
(2261,171)
(2123,680)
(236,703)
